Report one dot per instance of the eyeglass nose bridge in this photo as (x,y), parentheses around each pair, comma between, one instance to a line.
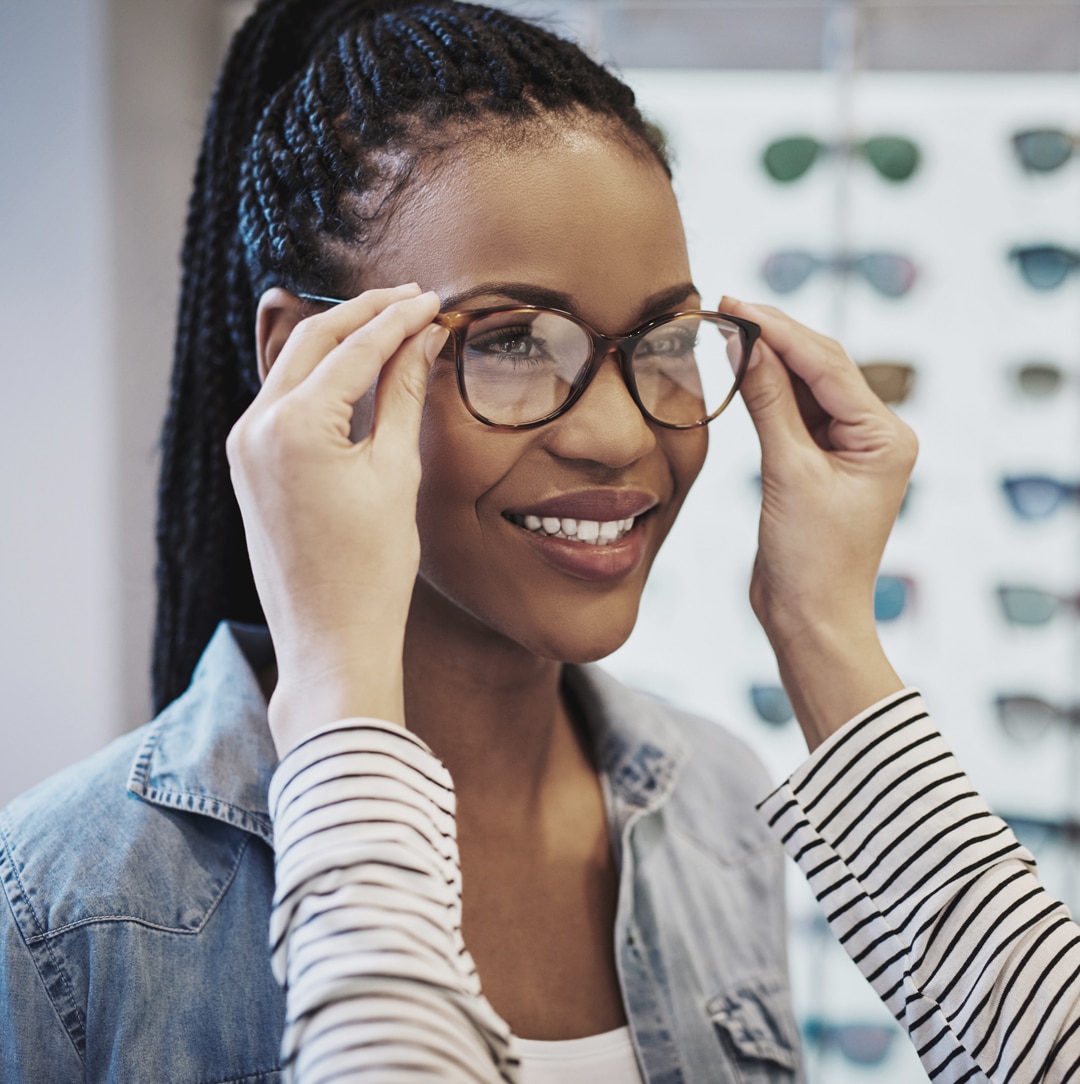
(603,347)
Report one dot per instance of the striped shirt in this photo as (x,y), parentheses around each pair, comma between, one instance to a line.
(935,900)
(928,891)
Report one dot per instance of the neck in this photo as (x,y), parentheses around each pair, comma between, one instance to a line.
(490,710)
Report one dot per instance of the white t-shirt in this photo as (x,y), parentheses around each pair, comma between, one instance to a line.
(607,1058)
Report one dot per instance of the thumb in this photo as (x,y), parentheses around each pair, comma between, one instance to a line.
(772,403)
(402,388)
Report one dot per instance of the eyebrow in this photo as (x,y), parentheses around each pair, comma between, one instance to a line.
(526,293)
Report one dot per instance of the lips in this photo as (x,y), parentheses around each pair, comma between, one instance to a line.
(591,534)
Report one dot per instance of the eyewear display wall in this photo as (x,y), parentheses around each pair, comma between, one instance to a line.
(959,344)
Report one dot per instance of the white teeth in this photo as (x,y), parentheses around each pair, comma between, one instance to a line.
(590,531)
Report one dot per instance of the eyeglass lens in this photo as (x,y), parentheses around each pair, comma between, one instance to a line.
(521,366)
(1039,379)
(1025,718)
(891,595)
(1043,149)
(1045,267)
(1037,496)
(772,704)
(1028,605)
(891,381)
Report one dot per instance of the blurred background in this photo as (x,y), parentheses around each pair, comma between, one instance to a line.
(900,175)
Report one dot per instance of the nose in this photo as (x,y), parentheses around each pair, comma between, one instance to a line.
(605,424)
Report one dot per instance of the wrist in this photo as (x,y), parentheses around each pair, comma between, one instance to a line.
(832,672)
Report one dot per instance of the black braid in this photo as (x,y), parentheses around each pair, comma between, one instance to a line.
(311,96)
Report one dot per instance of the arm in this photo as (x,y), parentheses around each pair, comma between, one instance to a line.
(927,890)
(366,855)
(366,927)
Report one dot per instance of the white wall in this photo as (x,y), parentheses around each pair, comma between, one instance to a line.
(103,104)
(58,604)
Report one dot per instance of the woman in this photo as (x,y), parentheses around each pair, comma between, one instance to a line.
(619,893)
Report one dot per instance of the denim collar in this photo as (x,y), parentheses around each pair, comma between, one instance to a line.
(211,752)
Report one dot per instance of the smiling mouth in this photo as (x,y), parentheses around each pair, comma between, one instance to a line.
(591,532)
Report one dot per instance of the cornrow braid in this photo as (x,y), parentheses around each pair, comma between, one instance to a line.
(322,112)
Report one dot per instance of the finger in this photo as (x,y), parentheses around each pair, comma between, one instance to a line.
(773,404)
(820,362)
(316,336)
(350,369)
(401,391)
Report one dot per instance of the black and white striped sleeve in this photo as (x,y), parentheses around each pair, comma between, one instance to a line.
(366,927)
(935,900)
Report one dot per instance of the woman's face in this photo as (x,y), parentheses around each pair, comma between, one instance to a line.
(577,223)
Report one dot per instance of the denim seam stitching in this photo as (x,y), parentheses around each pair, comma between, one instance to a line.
(41,938)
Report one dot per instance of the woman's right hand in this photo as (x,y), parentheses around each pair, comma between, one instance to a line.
(331,523)
(835,463)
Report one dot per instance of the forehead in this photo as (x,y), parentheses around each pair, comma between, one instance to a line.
(573,210)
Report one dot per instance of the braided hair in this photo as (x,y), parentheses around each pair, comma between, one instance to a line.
(322,112)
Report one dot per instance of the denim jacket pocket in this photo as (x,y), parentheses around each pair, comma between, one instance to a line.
(755,1021)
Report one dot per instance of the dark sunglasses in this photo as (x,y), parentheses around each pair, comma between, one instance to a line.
(894,157)
(1043,150)
(1036,496)
(1044,267)
(890,273)
(522,366)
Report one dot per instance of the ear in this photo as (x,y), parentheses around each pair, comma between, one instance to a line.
(278,313)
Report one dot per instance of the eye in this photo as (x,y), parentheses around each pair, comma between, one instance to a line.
(674,342)
(514,344)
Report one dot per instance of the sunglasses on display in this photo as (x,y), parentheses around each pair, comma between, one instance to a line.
(1039,379)
(1037,496)
(890,273)
(860,1044)
(1027,718)
(1043,150)
(772,704)
(894,157)
(522,366)
(1038,833)
(1044,267)
(892,596)
(891,381)
(1032,605)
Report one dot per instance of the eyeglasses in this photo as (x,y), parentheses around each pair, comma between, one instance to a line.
(1033,606)
(772,704)
(1044,149)
(891,596)
(891,381)
(1037,833)
(890,273)
(1036,496)
(1044,267)
(520,367)
(1025,718)
(861,1044)
(1039,379)
(894,157)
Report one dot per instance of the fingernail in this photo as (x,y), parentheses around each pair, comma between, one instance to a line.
(435,341)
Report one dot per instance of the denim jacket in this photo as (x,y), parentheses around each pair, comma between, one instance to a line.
(137,889)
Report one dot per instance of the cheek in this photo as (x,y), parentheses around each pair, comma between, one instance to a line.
(685,450)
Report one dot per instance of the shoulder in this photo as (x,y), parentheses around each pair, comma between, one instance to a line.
(81,847)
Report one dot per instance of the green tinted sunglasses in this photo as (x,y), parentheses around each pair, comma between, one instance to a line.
(894,157)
